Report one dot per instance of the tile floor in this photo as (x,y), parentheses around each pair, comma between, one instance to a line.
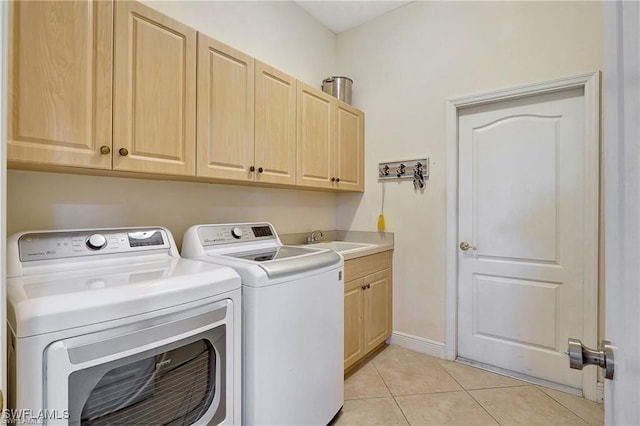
(400,387)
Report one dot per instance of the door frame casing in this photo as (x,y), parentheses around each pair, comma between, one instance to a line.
(590,82)
(4,68)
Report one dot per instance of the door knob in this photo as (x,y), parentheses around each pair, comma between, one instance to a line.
(464,246)
(123,151)
(104,149)
(580,355)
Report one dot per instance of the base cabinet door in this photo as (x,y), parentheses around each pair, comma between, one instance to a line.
(353,322)
(154,117)
(368,320)
(60,83)
(377,309)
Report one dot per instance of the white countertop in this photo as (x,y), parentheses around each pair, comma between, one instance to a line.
(350,244)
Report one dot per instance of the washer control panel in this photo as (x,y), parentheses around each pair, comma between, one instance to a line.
(65,244)
(211,235)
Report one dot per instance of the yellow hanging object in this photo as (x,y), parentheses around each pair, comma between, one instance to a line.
(381,224)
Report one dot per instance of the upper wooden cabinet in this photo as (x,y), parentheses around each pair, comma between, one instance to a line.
(59,107)
(330,138)
(275,126)
(349,147)
(246,117)
(116,85)
(315,130)
(154,118)
(225,111)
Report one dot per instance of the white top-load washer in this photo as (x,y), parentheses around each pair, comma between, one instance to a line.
(111,326)
(292,321)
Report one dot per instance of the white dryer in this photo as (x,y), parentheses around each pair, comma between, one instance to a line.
(292,320)
(111,326)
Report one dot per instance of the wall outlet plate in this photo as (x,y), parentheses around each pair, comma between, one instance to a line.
(408,169)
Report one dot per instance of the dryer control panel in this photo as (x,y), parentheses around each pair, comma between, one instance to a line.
(211,235)
(65,244)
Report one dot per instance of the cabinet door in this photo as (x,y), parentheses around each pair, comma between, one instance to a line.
(315,130)
(275,129)
(225,111)
(60,82)
(154,92)
(353,322)
(349,148)
(377,309)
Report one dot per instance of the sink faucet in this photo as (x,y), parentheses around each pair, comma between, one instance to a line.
(313,238)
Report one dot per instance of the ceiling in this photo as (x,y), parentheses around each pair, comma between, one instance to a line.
(341,15)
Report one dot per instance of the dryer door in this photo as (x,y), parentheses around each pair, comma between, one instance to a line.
(164,371)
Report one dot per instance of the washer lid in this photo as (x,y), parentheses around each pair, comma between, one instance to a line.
(283,261)
(58,301)
(272,253)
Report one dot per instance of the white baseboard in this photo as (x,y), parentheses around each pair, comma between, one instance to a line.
(418,344)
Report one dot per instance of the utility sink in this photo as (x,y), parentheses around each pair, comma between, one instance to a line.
(340,246)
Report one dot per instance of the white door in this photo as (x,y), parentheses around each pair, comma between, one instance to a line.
(524,208)
(622,209)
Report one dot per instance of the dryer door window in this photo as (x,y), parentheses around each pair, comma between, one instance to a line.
(176,386)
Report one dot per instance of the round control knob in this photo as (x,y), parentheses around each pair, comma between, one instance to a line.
(96,242)
(236,232)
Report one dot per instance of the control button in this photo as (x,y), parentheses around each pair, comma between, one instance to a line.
(96,242)
(236,232)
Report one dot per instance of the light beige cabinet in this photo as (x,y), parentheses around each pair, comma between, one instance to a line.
(154,121)
(349,140)
(70,85)
(112,86)
(367,305)
(275,126)
(330,139)
(60,83)
(246,117)
(315,130)
(225,111)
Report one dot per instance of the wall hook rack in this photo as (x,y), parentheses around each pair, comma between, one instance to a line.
(418,170)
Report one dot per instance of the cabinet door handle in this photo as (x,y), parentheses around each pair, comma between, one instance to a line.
(368,285)
(337,179)
(260,170)
(123,151)
(364,287)
(333,179)
(105,150)
(252,169)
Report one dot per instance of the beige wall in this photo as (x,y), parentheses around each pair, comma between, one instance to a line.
(54,201)
(405,66)
(279,33)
